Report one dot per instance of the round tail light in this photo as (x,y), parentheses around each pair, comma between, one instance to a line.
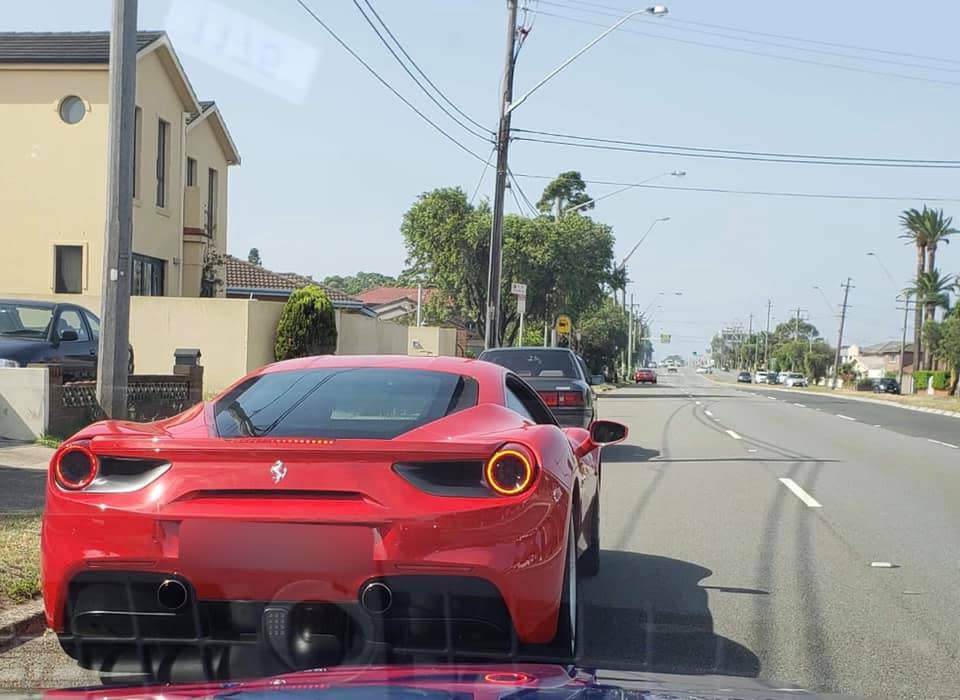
(510,471)
(75,468)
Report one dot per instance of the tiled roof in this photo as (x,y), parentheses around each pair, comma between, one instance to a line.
(379,296)
(891,346)
(247,276)
(63,47)
(204,106)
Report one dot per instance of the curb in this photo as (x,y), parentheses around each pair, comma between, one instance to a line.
(878,402)
(20,624)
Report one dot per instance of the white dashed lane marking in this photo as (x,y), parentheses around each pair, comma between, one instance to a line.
(945,444)
(733,435)
(794,487)
(840,415)
(800,405)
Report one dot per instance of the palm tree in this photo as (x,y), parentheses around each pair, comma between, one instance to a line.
(925,229)
(932,290)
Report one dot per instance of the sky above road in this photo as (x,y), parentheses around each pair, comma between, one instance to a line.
(332,159)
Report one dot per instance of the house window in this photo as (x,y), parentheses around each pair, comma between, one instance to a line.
(212,180)
(163,157)
(149,275)
(191,172)
(137,128)
(68,269)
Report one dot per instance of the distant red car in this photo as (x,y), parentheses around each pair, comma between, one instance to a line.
(320,506)
(644,376)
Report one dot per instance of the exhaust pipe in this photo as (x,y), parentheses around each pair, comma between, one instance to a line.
(376,597)
(172,594)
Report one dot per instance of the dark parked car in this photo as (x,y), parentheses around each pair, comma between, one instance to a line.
(744,378)
(559,375)
(43,331)
(886,385)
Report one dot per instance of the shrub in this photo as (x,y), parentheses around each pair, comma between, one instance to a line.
(865,385)
(941,380)
(307,325)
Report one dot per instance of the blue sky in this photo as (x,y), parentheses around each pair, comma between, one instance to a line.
(326,176)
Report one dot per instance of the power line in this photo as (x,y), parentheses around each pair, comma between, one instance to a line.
(383,82)
(600,145)
(484,137)
(760,42)
(725,151)
(761,193)
(749,52)
(424,75)
(482,173)
(533,209)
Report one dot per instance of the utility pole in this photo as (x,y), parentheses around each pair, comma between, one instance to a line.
(114,349)
(843,317)
(630,338)
(903,341)
(492,330)
(766,339)
(750,337)
(796,326)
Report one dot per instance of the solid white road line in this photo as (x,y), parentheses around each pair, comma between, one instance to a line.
(708,413)
(808,500)
(945,444)
(881,564)
(733,435)
(800,405)
(772,398)
(840,415)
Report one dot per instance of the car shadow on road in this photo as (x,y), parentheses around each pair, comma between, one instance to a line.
(650,613)
(628,453)
(24,490)
(643,394)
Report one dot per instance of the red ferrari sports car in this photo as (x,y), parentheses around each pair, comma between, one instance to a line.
(322,510)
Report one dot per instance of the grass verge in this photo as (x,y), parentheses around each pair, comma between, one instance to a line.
(19,557)
(49,441)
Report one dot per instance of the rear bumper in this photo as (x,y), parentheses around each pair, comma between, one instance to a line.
(265,556)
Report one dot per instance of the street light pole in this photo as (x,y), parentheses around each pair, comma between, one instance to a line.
(491,337)
(903,339)
(843,318)
(673,173)
(507,105)
(883,267)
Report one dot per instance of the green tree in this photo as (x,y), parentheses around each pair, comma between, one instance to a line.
(602,335)
(254,256)
(567,190)
(925,230)
(948,347)
(564,263)
(360,282)
(818,360)
(931,290)
(307,325)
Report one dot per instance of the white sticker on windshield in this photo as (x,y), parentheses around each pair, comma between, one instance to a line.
(243,47)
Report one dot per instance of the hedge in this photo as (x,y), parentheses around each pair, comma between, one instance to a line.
(941,380)
(307,325)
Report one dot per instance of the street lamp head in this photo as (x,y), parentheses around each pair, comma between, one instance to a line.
(872,253)
(664,218)
(679,173)
(657,10)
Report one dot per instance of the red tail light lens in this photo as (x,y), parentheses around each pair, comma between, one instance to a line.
(549,398)
(75,468)
(510,471)
(567,399)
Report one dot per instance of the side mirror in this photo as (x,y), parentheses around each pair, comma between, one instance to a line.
(607,432)
(68,335)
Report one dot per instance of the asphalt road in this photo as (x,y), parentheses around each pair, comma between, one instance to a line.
(740,533)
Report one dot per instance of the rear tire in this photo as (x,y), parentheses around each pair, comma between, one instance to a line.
(565,641)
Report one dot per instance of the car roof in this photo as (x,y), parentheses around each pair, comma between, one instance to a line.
(482,371)
(30,302)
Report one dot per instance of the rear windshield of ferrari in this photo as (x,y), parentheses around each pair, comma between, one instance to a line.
(342,402)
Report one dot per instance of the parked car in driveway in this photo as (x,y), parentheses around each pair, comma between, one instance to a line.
(744,378)
(794,379)
(48,332)
(645,376)
(886,385)
(559,375)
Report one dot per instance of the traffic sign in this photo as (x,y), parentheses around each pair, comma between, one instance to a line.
(518,289)
(664,338)
(521,304)
(563,324)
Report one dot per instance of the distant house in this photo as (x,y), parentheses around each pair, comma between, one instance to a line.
(392,303)
(54,93)
(876,361)
(245,280)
